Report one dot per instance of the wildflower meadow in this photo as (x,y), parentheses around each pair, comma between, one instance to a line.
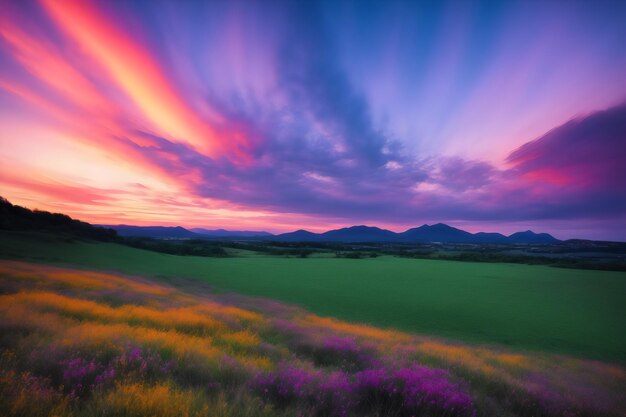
(83,343)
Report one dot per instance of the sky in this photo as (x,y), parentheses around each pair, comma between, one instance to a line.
(272,115)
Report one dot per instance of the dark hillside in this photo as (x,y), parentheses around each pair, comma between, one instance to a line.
(18,218)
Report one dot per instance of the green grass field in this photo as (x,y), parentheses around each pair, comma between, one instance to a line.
(578,312)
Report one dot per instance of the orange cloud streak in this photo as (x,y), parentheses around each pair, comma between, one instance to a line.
(139,75)
(44,61)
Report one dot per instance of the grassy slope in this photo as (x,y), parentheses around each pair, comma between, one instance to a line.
(78,343)
(559,310)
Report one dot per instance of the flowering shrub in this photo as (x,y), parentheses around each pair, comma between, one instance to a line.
(24,394)
(146,364)
(286,386)
(334,396)
(404,392)
(81,376)
(429,391)
(344,353)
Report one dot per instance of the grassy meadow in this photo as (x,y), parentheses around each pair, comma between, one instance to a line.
(76,342)
(535,308)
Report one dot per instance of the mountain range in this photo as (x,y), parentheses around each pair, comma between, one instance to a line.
(230,233)
(436,233)
(178,232)
(426,233)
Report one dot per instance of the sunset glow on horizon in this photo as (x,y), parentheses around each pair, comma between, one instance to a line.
(278,116)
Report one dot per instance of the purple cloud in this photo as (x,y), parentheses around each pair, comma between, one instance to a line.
(589,151)
(574,171)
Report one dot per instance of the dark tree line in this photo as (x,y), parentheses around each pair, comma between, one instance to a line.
(193,247)
(18,218)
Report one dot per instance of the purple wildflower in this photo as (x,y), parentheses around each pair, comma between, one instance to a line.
(341,352)
(286,386)
(334,396)
(404,392)
(134,359)
(80,375)
(412,391)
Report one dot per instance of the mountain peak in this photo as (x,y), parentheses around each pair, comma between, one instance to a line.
(531,237)
(524,233)
(441,226)
(439,232)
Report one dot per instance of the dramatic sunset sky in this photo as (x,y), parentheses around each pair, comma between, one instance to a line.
(268,115)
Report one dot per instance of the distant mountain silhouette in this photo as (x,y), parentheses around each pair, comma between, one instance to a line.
(159,232)
(531,237)
(178,232)
(229,233)
(436,233)
(19,218)
(484,237)
(358,234)
(297,236)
